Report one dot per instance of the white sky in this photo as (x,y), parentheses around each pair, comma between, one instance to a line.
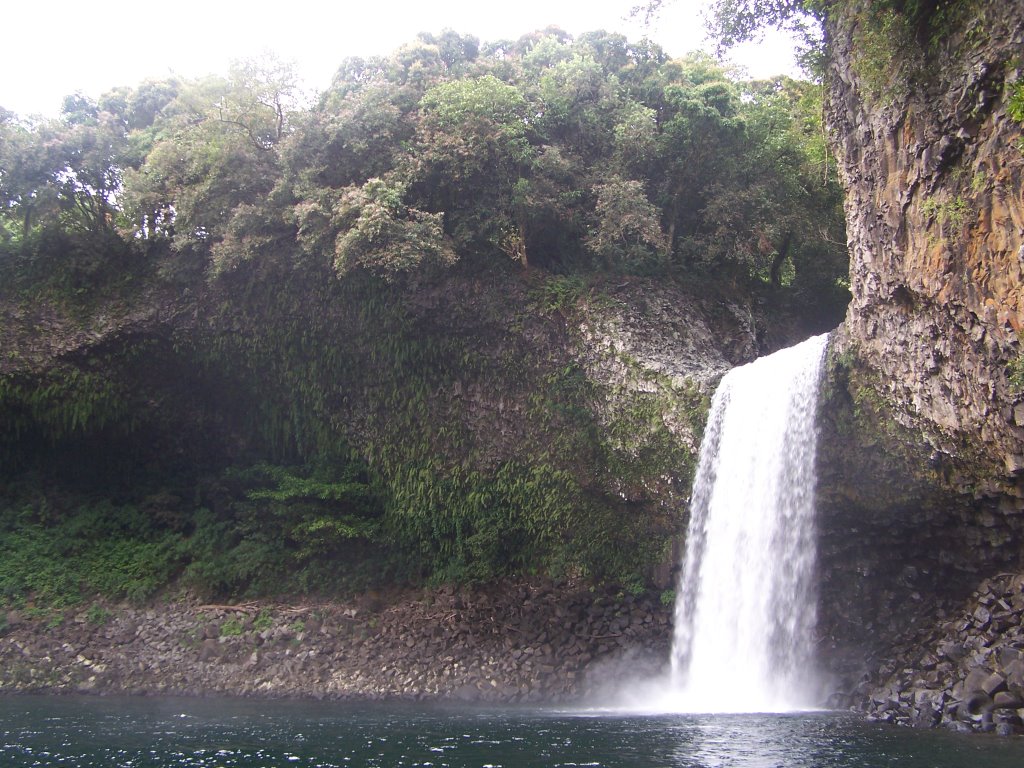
(56,47)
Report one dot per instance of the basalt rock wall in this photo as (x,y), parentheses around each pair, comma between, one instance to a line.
(935,216)
(510,642)
(923,431)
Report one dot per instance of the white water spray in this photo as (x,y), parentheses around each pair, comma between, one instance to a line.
(746,605)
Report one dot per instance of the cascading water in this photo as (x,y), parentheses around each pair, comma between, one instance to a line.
(745,611)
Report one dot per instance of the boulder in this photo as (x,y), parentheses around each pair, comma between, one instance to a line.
(993,684)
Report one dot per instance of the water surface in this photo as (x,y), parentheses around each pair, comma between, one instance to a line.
(87,732)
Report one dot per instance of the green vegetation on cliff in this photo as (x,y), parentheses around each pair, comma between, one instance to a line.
(897,43)
(255,346)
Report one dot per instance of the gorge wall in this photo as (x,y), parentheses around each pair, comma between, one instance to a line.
(923,448)
(577,402)
(574,407)
(935,220)
(605,380)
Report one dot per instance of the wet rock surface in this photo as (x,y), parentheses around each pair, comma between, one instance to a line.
(516,642)
(899,546)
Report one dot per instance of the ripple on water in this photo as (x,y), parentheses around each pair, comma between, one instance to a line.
(151,733)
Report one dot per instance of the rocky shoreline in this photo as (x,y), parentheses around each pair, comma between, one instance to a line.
(964,672)
(514,642)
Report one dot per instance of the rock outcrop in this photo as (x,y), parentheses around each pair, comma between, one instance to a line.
(966,674)
(935,220)
(923,445)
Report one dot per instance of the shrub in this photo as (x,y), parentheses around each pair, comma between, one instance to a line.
(231,628)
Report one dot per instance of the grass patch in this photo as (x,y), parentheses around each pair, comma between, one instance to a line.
(231,628)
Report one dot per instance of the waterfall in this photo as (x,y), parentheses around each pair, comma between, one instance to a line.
(746,604)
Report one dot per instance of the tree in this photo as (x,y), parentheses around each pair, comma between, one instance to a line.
(261,96)
(416,66)
(349,139)
(700,140)
(778,216)
(636,139)
(379,233)
(67,169)
(92,158)
(577,101)
(627,234)
(802,227)
(369,227)
(560,154)
(29,162)
(214,153)
(471,149)
(549,211)
(455,50)
(145,103)
(736,21)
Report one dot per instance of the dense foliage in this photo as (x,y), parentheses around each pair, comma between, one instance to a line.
(594,153)
(300,429)
(897,44)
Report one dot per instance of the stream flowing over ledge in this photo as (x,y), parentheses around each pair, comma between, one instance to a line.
(920,464)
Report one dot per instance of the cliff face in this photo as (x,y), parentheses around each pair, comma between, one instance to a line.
(936,228)
(580,402)
(923,439)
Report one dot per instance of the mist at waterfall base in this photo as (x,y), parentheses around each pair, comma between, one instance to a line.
(746,603)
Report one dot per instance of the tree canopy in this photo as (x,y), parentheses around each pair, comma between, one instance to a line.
(561,154)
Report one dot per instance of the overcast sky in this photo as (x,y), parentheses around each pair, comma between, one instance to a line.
(56,47)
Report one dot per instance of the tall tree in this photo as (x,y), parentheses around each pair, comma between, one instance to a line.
(472,147)
(215,154)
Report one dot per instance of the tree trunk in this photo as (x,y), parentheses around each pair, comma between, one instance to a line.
(780,259)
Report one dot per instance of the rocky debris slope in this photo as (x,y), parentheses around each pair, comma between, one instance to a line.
(517,642)
(968,674)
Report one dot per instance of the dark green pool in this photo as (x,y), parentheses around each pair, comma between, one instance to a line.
(123,732)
